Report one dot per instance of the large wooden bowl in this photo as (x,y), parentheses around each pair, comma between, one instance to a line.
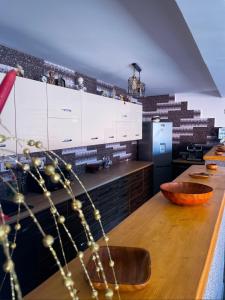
(186,193)
(132,268)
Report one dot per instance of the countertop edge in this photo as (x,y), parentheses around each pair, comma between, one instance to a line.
(210,155)
(211,250)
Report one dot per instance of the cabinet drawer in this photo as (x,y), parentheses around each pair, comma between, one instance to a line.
(63,102)
(64,133)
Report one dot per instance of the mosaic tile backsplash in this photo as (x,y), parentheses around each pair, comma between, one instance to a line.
(188,126)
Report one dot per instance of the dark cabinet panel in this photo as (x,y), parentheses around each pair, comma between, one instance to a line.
(115,200)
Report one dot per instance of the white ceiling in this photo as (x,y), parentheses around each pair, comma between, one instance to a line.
(205,19)
(102,37)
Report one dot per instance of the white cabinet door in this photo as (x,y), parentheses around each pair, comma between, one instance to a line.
(93,120)
(31,112)
(136,131)
(135,112)
(109,110)
(136,121)
(8,120)
(123,111)
(63,102)
(64,133)
(123,131)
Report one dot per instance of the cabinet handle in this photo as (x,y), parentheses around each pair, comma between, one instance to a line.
(124,116)
(137,134)
(94,138)
(111,137)
(66,109)
(67,141)
(124,135)
(2,145)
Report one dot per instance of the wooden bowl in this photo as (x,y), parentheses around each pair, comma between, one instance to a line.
(199,175)
(211,166)
(186,193)
(132,268)
(219,153)
(220,148)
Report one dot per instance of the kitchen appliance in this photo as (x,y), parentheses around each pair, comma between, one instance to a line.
(194,152)
(156,146)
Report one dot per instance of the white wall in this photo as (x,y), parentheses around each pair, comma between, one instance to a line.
(210,106)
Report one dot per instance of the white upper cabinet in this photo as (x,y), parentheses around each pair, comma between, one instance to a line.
(107,120)
(64,117)
(31,112)
(136,121)
(93,118)
(64,102)
(8,120)
(123,111)
(64,133)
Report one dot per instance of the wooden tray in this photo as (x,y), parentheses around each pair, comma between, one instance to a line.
(132,268)
(200,175)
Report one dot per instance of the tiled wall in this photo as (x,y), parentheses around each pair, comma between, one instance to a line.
(34,68)
(188,126)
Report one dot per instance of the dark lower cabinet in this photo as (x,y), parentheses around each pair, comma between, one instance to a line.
(115,200)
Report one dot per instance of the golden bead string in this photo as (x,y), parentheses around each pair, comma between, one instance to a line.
(47,241)
(55,212)
(93,246)
(9,265)
(17,227)
(97,216)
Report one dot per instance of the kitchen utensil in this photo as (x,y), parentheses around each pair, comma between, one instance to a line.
(186,193)
(132,268)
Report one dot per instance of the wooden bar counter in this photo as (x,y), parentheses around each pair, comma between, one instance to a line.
(186,245)
(211,155)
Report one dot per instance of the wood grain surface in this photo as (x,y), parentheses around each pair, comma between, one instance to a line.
(181,241)
(211,155)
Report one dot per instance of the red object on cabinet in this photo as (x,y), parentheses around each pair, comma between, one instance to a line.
(6,86)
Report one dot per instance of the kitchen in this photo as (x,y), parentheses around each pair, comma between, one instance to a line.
(88,148)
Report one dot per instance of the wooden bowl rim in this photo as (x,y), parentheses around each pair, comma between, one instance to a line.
(163,189)
(200,175)
(124,283)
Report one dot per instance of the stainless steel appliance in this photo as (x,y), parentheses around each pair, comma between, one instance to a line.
(195,152)
(156,146)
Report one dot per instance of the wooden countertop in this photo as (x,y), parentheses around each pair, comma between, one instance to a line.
(90,181)
(187,162)
(210,155)
(181,242)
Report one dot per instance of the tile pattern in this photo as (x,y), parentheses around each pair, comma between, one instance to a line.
(34,68)
(188,126)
